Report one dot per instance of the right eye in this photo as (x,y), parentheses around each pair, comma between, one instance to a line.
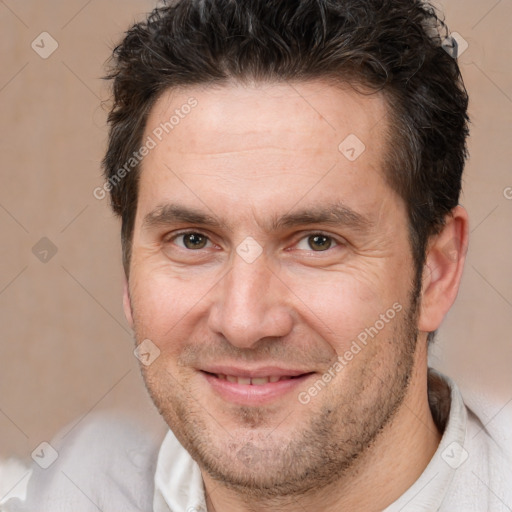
(191,240)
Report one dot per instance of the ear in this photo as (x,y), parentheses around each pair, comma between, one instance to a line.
(443,268)
(127,305)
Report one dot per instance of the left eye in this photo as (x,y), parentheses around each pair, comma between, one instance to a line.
(192,241)
(317,242)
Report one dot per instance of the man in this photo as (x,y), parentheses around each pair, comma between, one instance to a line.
(287,176)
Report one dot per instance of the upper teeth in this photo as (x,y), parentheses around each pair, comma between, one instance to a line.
(255,381)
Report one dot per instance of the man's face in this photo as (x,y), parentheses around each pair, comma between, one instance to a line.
(262,250)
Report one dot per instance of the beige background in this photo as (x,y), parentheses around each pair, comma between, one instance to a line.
(65,347)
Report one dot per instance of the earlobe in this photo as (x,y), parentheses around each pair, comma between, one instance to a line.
(443,268)
(127,305)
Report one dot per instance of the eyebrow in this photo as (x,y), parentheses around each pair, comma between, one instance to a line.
(173,213)
(335,214)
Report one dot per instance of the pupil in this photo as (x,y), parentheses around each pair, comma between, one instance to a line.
(320,242)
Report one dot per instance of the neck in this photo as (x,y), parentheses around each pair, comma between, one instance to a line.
(378,478)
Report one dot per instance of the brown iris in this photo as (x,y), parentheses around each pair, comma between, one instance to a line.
(194,241)
(319,242)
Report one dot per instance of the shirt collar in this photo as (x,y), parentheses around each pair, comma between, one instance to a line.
(178,480)
(428,492)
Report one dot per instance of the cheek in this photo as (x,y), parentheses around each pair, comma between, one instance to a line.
(344,302)
(161,303)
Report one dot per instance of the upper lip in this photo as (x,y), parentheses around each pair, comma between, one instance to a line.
(262,371)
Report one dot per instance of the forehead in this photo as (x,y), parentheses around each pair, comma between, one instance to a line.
(263,141)
(318,113)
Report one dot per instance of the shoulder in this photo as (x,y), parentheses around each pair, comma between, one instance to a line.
(484,478)
(474,457)
(104,460)
(491,460)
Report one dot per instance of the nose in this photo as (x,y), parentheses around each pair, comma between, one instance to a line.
(250,304)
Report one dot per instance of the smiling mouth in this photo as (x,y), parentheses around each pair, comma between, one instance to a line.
(254,381)
(254,388)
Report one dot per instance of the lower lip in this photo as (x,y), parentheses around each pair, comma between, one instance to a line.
(249,394)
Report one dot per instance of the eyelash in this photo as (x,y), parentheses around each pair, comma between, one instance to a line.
(311,234)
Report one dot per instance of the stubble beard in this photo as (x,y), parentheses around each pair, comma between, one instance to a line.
(326,442)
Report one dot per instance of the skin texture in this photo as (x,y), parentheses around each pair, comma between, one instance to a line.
(247,155)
